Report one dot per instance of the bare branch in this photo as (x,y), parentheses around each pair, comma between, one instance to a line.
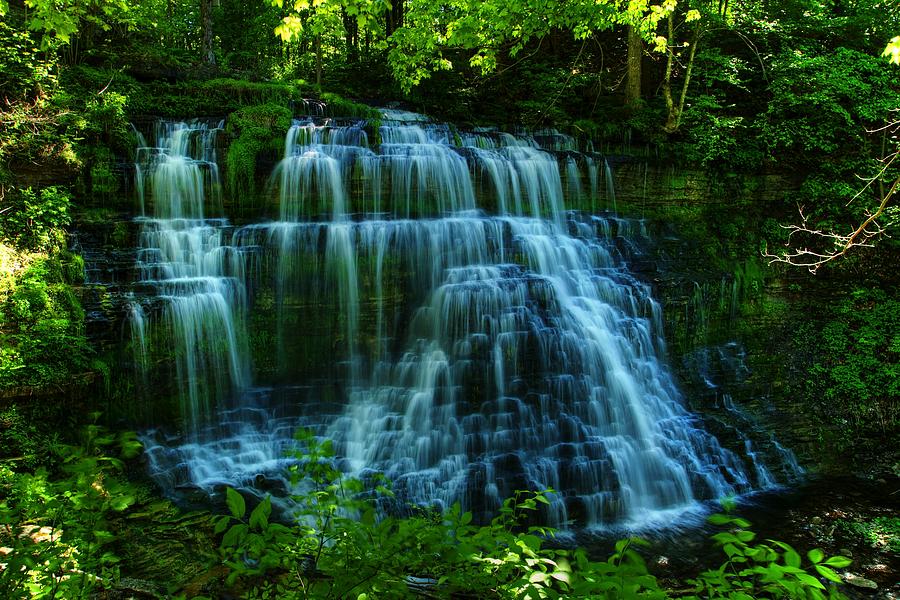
(863,235)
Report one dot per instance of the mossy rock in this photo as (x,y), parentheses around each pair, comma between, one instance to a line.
(256,129)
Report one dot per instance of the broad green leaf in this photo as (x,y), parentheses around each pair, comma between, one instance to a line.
(719,519)
(815,555)
(828,573)
(235,503)
(235,535)
(221,524)
(259,518)
(810,581)
(838,562)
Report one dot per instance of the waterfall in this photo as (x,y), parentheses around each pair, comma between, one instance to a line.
(438,313)
(184,257)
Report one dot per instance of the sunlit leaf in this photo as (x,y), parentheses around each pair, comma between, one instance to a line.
(892,52)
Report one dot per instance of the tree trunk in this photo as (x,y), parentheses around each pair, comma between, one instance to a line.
(351,31)
(394,17)
(318,48)
(673,112)
(206,48)
(633,78)
(667,79)
(695,41)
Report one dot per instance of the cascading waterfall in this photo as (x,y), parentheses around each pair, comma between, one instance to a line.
(184,259)
(483,339)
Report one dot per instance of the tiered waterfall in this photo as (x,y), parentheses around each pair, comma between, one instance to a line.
(429,304)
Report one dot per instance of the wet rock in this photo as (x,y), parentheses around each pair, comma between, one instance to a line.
(192,494)
(845,552)
(859,582)
(139,588)
(879,569)
(273,485)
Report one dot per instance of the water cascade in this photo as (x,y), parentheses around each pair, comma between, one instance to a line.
(480,338)
(184,259)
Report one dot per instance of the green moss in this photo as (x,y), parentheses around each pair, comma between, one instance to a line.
(338,106)
(257,128)
(880,532)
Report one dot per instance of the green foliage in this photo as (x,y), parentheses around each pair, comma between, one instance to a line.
(43,342)
(822,104)
(882,533)
(33,220)
(21,443)
(854,376)
(257,128)
(55,525)
(765,570)
(25,72)
(339,547)
(61,22)
(483,28)
(337,106)
(718,141)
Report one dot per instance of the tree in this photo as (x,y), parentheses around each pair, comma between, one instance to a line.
(673,110)
(319,17)
(208,56)
(811,246)
(75,22)
(433,31)
(635,56)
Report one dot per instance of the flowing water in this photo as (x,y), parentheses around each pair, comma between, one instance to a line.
(481,339)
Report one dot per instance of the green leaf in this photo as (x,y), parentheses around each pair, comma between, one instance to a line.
(838,562)
(828,573)
(745,536)
(120,503)
(815,555)
(259,518)
(792,559)
(221,524)
(235,535)
(810,581)
(235,503)
(719,519)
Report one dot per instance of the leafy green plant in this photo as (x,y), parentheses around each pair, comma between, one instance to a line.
(32,219)
(24,72)
(257,128)
(43,339)
(339,547)
(765,570)
(22,444)
(55,526)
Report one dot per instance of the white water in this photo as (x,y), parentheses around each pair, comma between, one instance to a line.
(183,257)
(505,346)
